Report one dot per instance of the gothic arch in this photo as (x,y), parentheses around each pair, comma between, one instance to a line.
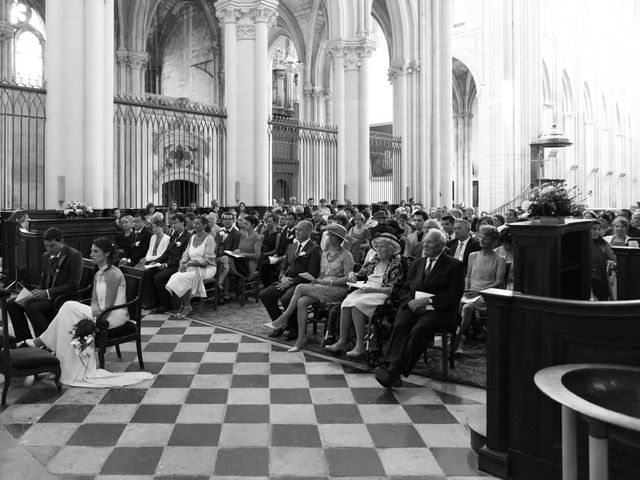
(403,16)
(546,86)
(588,106)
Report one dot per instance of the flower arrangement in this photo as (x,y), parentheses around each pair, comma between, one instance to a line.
(77,209)
(555,200)
(83,334)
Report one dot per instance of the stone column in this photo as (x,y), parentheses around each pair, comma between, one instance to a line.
(364,155)
(79,133)
(122,65)
(247,81)
(6,42)
(353,125)
(446,106)
(398,78)
(337,52)
(137,66)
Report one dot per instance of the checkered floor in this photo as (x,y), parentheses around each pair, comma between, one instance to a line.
(226,405)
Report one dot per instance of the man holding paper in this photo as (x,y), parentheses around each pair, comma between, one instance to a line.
(301,265)
(61,270)
(430,298)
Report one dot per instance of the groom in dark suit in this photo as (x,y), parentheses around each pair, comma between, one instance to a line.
(61,270)
(430,298)
(303,256)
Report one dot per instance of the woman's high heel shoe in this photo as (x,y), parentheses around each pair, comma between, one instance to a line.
(340,350)
(356,354)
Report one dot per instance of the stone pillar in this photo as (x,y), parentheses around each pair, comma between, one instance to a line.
(398,78)
(364,155)
(6,42)
(337,52)
(79,73)
(137,65)
(353,125)
(446,106)
(247,81)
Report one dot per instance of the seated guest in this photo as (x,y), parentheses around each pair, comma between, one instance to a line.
(189,217)
(318,222)
(380,275)
(357,235)
(603,262)
(125,236)
(403,221)
(155,279)
(510,216)
(413,243)
(157,244)
(171,211)
(463,244)
(486,270)
(324,209)
(302,256)
(634,224)
(308,209)
(605,221)
(61,271)
(505,249)
(329,286)
(620,237)
(429,302)
(227,239)
(149,210)
(270,237)
(244,260)
(447,222)
(136,244)
(198,263)
(214,228)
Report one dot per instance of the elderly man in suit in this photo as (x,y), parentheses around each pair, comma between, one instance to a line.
(462,246)
(61,270)
(302,256)
(430,298)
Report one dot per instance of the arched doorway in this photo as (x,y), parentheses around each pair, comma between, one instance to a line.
(465,109)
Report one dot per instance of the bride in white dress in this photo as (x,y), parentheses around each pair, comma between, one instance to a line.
(109,288)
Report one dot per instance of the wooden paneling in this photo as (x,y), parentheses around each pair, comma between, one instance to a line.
(628,272)
(528,333)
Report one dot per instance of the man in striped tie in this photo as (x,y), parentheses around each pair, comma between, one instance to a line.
(430,298)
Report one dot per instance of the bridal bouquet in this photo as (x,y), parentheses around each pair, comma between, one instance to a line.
(77,209)
(83,335)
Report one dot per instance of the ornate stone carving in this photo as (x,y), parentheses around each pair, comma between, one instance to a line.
(138,59)
(6,31)
(245,31)
(262,11)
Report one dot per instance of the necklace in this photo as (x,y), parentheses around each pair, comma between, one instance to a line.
(199,238)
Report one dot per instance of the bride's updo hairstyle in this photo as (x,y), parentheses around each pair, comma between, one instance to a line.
(109,249)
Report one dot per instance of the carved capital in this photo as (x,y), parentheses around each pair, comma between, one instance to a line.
(264,14)
(352,50)
(352,60)
(260,11)
(246,31)
(314,91)
(6,31)
(138,59)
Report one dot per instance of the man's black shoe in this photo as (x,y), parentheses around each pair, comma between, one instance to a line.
(159,310)
(292,335)
(276,333)
(385,379)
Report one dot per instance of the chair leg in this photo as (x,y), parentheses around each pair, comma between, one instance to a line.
(139,349)
(101,357)
(242,290)
(5,389)
(445,355)
(452,353)
(118,351)
(58,372)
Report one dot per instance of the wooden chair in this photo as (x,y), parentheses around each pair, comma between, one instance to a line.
(448,355)
(245,285)
(22,362)
(130,330)
(85,285)
(211,291)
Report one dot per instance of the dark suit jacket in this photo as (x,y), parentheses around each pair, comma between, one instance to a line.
(307,261)
(138,246)
(307,212)
(66,278)
(445,282)
(177,245)
(316,235)
(473,245)
(287,235)
(230,241)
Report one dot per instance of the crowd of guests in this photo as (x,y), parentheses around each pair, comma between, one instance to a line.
(434,261)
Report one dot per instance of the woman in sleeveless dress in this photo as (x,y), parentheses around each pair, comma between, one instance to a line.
(380,275)
(109,288)
(486,269)
(330,286)
(198,263)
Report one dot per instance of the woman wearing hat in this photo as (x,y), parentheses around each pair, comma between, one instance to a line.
(380,275)
(330,286)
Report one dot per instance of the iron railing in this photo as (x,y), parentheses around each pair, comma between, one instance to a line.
(512,204)
(168,149)
(384,151)
(22,131)
(304,159)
